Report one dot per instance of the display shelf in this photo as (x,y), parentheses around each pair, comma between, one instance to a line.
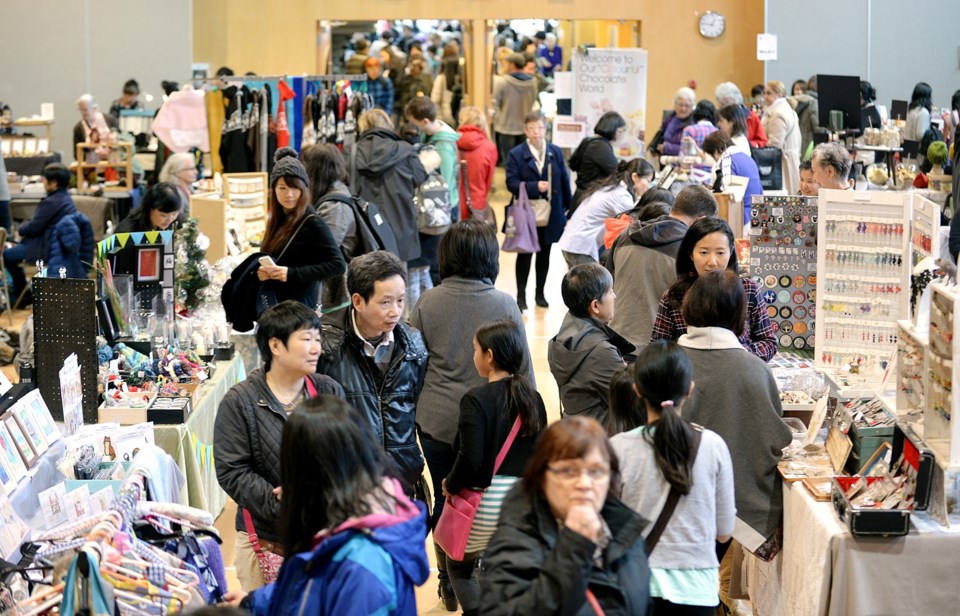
(942,407)
(864,290)
(247,195)
(120,157)
(783,262)
(911,370)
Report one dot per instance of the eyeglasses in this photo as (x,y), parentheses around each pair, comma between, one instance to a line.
(572,473)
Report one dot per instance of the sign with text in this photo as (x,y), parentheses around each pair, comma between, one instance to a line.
(610,80)
(766,47)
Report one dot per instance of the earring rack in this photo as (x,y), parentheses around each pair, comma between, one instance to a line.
(863,239)
(941,428)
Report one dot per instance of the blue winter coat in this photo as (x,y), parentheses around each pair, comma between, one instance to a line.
(36,232)
(356,571)
(71,246)
(522,167)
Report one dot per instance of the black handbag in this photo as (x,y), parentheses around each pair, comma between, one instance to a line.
(770,165)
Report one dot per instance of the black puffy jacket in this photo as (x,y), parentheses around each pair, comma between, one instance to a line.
(390,411)
(246,439)
(534,567)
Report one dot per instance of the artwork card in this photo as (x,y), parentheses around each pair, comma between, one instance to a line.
(148,264)
(11,457)
(30,147)
(23,416)
(43,146)
(53,505)
(18,146)
(78,504)
(13,522)
(6,476)
(23,446)
(41,416)
(5,384)
(102,500)
(6,146)
(71,394)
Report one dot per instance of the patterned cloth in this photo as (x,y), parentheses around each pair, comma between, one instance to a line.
(488,512)
(699,131)
(381,91)
(758,336)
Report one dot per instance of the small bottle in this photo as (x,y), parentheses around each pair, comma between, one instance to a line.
(26,371)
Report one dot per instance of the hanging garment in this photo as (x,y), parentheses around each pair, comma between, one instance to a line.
(235,151)
(283,129)
(181,123)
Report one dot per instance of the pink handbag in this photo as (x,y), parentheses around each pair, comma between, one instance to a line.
(456,520)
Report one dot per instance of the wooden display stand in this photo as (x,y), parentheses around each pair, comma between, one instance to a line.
(125,153)
(211,213)
(248,195)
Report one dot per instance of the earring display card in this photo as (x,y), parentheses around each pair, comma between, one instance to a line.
(783,263)
(925,249)
(940,427)
(863,267)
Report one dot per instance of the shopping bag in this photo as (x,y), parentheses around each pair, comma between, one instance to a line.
(520,228)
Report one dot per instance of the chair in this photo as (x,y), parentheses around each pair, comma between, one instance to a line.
(3,272)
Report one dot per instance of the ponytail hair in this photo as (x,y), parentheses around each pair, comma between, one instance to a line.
(662,375)
(509,347)
(625,169)
(625,410)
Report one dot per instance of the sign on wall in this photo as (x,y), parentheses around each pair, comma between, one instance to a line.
(611,80)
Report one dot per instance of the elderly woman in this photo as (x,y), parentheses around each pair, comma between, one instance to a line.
(181,171)
(727,93)
(782,125)
(565,544)
(745,411)
(684,100)
(831,166)
(448,316)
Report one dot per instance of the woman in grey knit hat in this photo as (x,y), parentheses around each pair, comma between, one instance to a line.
(303,250)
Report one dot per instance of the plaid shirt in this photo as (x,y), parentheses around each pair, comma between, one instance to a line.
(381,91)
(758,337)
(699,131)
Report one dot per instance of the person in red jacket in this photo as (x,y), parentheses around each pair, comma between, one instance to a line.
(481,156)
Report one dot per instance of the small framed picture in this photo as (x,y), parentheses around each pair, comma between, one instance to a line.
(26,422)
(12,461)
(27,453)
(6,476)
(148,264)
(6,146)
(42,417)
(43,146)
(167,261)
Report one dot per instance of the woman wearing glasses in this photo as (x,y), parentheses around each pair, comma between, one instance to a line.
(564,543)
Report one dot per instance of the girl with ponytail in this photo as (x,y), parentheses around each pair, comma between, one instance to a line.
(606,198)
(663,456)
(487,414)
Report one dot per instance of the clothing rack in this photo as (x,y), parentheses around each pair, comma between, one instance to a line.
(332,77)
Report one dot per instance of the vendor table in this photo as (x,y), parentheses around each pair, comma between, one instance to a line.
(29,165)
(823,569)
(191,444)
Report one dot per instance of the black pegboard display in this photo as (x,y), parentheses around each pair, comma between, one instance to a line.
(64,322)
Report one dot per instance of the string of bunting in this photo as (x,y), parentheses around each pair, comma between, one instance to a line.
(145,238)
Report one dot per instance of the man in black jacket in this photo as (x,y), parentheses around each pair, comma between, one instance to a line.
(379,360)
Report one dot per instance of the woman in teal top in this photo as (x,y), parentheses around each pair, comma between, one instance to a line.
(662,455)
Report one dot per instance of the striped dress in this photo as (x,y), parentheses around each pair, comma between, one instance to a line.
(485,522)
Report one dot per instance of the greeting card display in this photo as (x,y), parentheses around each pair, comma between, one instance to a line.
(783,262)
(864,281)
(941,430)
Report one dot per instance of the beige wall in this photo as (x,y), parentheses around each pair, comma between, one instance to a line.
(267,39)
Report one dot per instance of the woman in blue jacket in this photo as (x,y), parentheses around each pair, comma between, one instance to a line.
(539,165)
(355,542)
(730,162)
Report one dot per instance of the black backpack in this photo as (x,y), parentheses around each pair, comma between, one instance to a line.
(373,230)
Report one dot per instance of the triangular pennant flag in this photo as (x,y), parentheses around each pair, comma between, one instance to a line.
(137,237)
(113,241)
(152,236)
(166,236)
(122,238)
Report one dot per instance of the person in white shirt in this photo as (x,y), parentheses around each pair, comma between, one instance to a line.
(606,198)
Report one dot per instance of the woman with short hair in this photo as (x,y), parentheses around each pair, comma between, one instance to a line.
(565,544)
(181,171)
(727,93)
(684,100)
(448,316)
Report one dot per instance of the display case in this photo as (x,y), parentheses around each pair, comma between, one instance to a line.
(864,283)
(248,195)
(783,262)
(911,371)
(941,429)
(120,157)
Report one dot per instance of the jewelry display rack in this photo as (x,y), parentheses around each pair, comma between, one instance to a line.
(864,283)
(941,408)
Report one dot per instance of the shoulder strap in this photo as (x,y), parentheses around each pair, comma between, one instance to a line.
(673,498)
(506,445)
(251,531)
(294,236)
(311,388)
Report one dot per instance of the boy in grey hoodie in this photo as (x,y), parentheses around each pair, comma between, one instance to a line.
(586,352)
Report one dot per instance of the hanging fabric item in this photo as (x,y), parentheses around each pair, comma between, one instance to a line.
(309,129)
(181,123)
(235,153)
(283,129)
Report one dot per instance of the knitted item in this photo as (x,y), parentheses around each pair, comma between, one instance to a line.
(286,163)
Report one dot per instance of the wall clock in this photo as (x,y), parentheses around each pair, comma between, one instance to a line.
(712,24)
